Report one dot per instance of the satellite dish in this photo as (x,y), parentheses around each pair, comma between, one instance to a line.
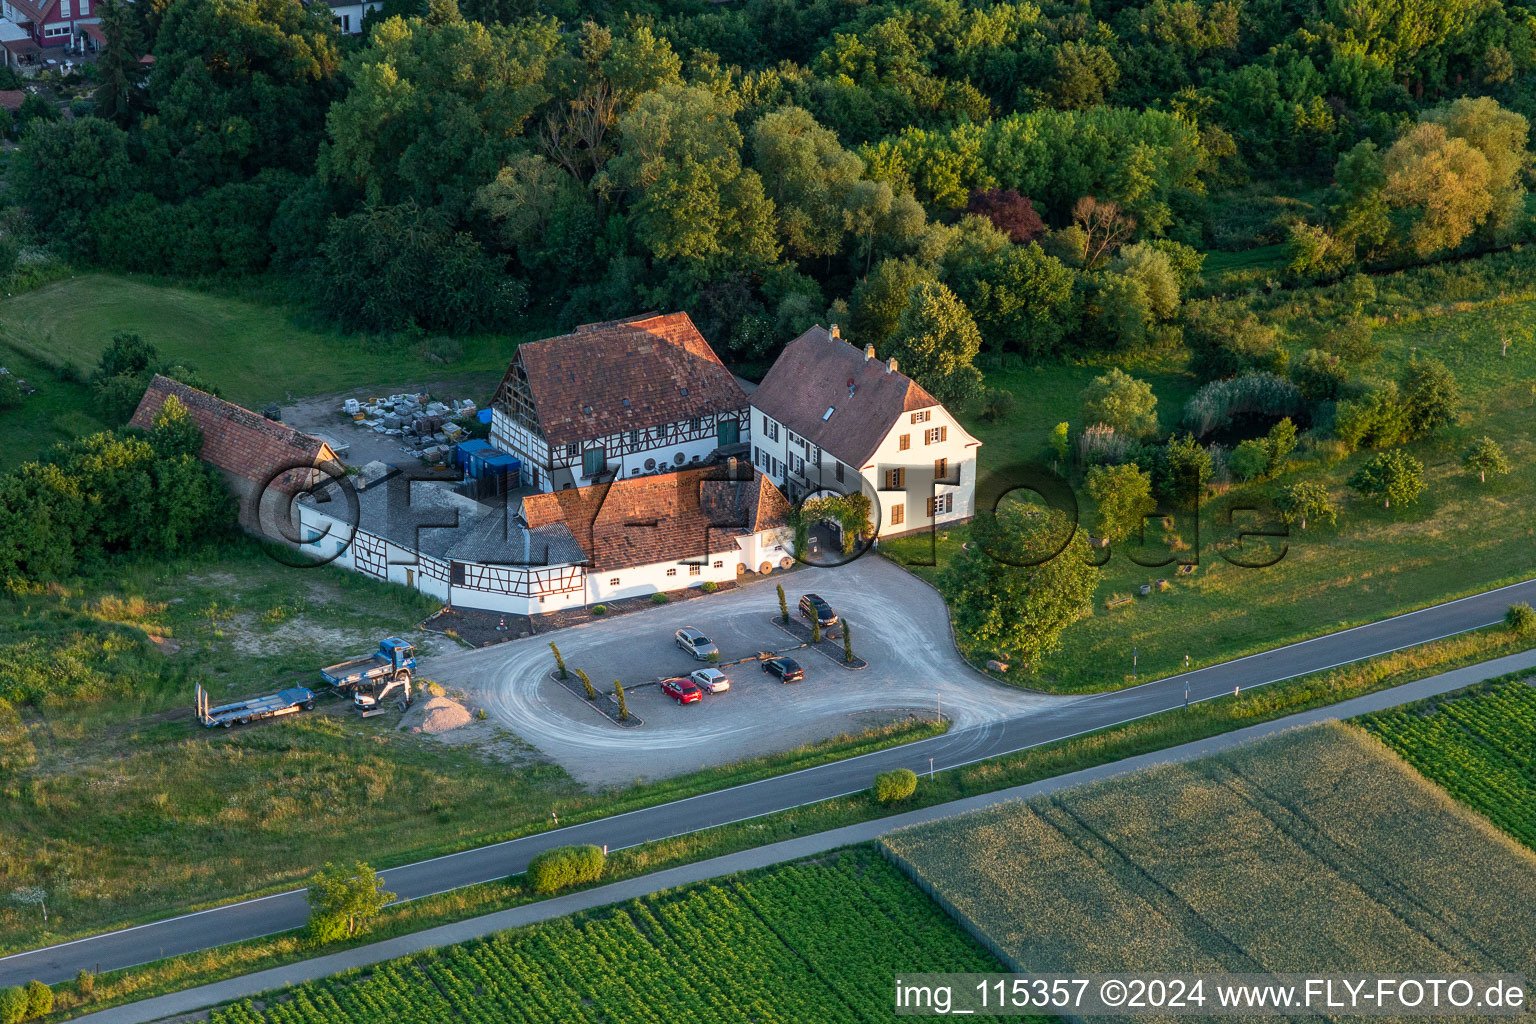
(650,464)
(679,458)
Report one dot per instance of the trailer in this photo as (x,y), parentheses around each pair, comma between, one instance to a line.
(394,661)
(285,702)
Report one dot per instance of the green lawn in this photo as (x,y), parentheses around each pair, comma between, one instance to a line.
(255,352)
(59,411)
(1461,536)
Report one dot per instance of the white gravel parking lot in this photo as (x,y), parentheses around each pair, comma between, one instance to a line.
(899,624)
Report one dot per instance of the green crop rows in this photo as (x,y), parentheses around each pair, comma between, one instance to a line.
(1481,748)
(813,942)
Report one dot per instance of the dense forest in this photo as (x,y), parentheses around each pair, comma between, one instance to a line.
(945,178)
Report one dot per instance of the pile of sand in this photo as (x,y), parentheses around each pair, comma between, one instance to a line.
(440,714)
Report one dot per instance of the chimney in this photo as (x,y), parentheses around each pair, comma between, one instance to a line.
(835,332)
(869,352)
(891,367)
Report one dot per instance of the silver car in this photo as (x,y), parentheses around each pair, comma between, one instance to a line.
(710,680)
(696,643)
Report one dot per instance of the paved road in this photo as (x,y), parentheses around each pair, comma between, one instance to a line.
(248,985)
(283,911)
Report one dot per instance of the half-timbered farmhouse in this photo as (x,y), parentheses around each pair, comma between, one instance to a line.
(558,550)
(625,397)
(831,417)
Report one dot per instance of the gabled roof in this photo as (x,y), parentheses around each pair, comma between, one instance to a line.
(668,517)
(236,440)
(620,375)
(814,374)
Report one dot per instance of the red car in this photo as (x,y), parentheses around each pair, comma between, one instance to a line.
(681,689)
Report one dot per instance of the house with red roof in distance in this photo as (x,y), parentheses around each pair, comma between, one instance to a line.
(265,463)
(615,400)
(55,22)
(830,417)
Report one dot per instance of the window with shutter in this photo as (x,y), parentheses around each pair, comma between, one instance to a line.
(895,479)
(904,442)
(898,514)
(940,469)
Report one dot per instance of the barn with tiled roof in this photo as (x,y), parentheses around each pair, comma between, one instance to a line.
(258,456)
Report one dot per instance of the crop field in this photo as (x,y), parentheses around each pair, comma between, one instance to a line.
(1480,746)
(1311,850)
(814,941)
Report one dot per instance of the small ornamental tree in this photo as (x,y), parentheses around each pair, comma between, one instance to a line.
(1121,401)
(586,684)
(1391,476)
(1430,393)
(1123,495)
(895,785)
(1521,619)
(1299,502)
(783,605)
(1249,460)
(1280,441)
(815,631)
(559,661)
(565,866)
(618,694)
(13,1004)
(1012,214)
(1061,441)
(1484,456)
(342,899)
(39,999)
(847,642)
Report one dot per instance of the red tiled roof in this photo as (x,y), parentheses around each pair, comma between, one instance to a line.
(668,517)
(11,99)
(813,374)
(33,12)
(236,440)
(658,364)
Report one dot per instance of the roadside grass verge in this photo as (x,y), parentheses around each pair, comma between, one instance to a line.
(1155,732)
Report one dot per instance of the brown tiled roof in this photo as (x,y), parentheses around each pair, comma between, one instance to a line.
(659,364)
(668,517)
(12,99)
(813,374)
(34,11)
(237,440)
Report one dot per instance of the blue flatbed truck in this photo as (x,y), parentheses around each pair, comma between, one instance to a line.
(394,660)
(284,702)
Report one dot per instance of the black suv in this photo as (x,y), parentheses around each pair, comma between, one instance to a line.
(787,669)
(813,607)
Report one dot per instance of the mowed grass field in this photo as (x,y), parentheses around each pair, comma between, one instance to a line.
(808,942)
(1317,850)
(1459,538)
(255,351)
(1480,745)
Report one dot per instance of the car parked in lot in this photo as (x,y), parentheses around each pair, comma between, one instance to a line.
(696,643)
(787,669)
(710,680)
(814,608)
(682,689)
